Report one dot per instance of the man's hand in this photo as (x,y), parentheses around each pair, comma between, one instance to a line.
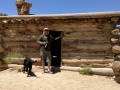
(44,43)
(59,36)
(62,34)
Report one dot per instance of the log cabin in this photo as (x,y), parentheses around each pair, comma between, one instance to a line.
(88,37)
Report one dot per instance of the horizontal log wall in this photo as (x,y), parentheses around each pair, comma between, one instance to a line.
(87,41)
(18,37)
(82,38)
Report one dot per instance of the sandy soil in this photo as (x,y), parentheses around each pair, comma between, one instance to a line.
(64,80)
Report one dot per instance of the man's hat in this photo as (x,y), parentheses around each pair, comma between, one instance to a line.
(46,29)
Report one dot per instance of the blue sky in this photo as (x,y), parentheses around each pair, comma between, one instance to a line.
(62,6)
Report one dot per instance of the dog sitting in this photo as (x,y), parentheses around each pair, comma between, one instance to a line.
(28,65)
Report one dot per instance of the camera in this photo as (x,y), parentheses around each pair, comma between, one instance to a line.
(46,45)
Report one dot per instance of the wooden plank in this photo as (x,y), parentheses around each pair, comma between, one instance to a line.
(87,41)
(84,54)
(23,38)
(93,63)
(2,49)
(88,33)
(21,31)
(29,53)
(92,37)
(84,29)
(89,61)
(80,46)
(20,49)
(21,44)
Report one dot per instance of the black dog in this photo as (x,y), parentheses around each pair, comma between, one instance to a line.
(28,65)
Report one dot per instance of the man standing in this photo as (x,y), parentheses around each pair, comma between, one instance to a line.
(45,50)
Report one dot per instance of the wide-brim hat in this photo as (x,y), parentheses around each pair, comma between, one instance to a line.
(46,29)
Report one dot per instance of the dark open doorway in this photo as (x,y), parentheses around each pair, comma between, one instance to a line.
(56,49)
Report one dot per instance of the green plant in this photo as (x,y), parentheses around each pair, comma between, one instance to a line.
(11,56)
(85,70)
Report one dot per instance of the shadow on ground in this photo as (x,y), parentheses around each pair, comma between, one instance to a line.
(55,69)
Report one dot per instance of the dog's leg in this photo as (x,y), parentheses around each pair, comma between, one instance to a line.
(23,69)
(29,71)
(26,68)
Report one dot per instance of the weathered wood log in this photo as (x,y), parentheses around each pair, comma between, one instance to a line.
(98,71)
(80,46)
(89,61)
(83,54)
(21,31)
(117,78)
(23,49)
(87,33)
(5,21)
(116,66)
(24,38)
(1,56)
(114,19)
(28,53)
(93,63)
(114,40)
(115,32)
(92,37)
(110,56)
(1,62)
(90,27)
(102,71)
(84,57)
(20,61)
(1,49)
(116,69)
(21,44)
(116,49)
